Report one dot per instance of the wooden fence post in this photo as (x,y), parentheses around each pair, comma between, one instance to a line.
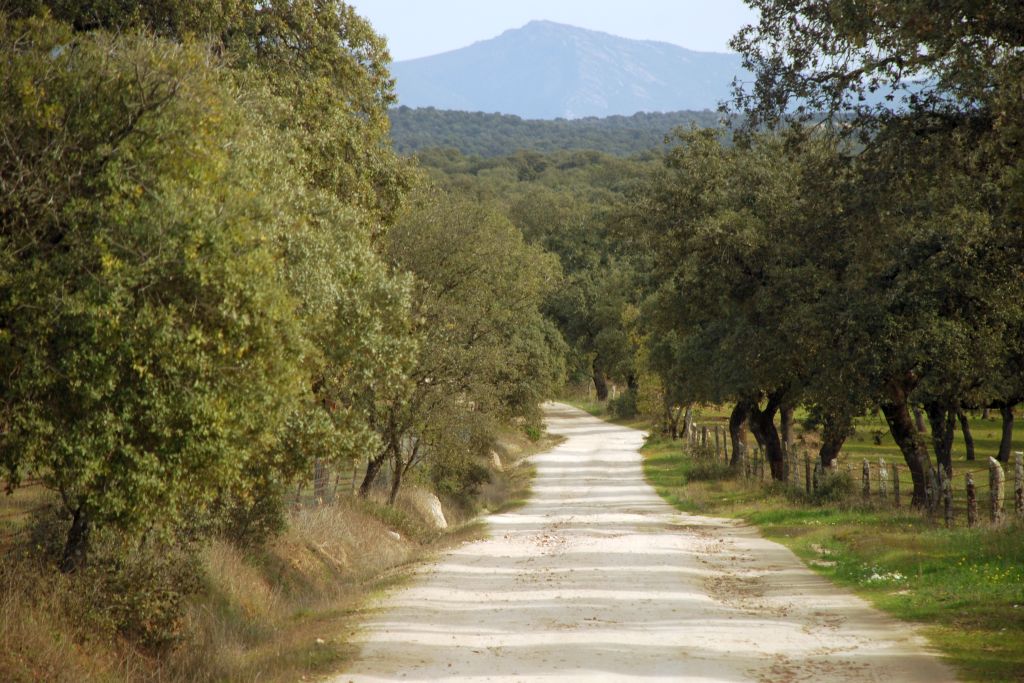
(883,479)
(718,446)
(866,478)
(1018,483)
(896,485)
(725,442)
(972,502)
(807,473)
(996,480)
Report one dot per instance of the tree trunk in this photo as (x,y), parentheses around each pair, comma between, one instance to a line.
(943,421)
(786,424)
(600,383)
(919,422)
(965,429)
(396,477)
(688,419)
(765,425)
(904,431)
(985,414)
(738,432)
(1006,441)
(755,426)
(672,415)
(834,432)
(373,466)
(76,546)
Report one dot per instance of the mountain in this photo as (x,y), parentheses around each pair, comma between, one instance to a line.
(546,70)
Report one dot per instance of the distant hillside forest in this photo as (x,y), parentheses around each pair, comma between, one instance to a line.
(492,135)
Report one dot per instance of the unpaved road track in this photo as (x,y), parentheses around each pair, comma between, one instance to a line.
(597,579)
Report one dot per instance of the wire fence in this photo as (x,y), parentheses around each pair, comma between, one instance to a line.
(14,516)
(959,498)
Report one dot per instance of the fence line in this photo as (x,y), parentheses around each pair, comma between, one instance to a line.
(881,484)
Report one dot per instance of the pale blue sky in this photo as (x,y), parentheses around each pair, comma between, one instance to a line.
(417,28)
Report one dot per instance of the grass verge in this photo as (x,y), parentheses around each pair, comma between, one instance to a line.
(965,587)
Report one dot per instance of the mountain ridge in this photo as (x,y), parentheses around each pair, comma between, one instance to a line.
(547,70)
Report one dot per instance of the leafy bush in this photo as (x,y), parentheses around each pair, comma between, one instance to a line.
(458,477)
(137,592)
(623,407)
(255,517)
(834,487)
(143,593)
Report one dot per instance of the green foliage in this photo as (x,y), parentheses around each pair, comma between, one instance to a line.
(624,406)
(458,476)
(322,58)
(149,337)
(495,135)
(484,351)
(135,591)
(191,305)
(834,487)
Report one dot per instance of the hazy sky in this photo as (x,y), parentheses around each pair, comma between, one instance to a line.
(417,28)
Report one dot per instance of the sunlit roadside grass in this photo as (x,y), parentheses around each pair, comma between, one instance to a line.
(964,586)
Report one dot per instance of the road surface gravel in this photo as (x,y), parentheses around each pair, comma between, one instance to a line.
(598,579)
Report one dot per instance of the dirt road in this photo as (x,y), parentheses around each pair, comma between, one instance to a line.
(597,579)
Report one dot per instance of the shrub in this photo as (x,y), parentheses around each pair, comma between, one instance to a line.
(623,407)
(705,465)
(834,487)
(458,477)
(137,591)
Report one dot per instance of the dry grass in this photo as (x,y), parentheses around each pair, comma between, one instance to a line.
(42,640)
(279,612)
(273,613)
